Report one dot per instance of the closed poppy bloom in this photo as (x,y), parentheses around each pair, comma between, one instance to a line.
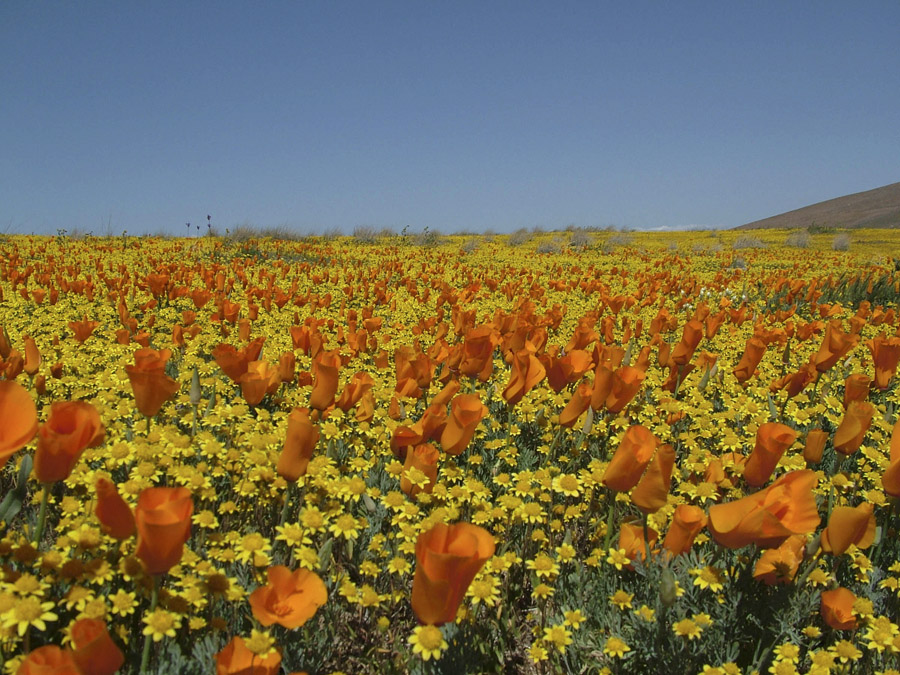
(835,346)
(424,458)
(578,403)
(477,358)
(527,371)
(115,516)
(890,481)
(18,419)
(631,459)
(772,439)
(49,660)
(445,395)
(753,354)
(163,520)
(82,330)
(631,539)
(768,517)
(287,365)
(687,521)
(885,356)
(837,608)
(93,649)
(234,362)
(290,599)
(780,565)
(71,427)
(815,445)
(32,356)
(299,444)
(849,525)
(237,659)
(568,369)
(151,386)
(796,382)
(690,339)
(652,491)
(852,429)
(354,390)
(466,412)
(325,380)
(447,559)
(260,379)
(856,388)
(626,381)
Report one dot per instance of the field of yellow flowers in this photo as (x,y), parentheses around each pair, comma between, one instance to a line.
(656,453)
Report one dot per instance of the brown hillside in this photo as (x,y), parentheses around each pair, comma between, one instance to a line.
(873,208)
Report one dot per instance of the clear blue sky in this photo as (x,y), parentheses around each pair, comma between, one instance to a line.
(451,115)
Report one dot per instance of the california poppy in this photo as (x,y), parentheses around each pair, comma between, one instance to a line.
(814,446)
(163,520)
(424,458)
(527,371)
(466,412)
(687,521)
(652,491)
(261,378)
(578,403)
(837,608)
(289,599)
(885,356)
(890,481)
(234,362)
(299,444)
(849,525)
(237,659)
(835,345)
(325,380)
(632,541)
(151,386)
(753,354)
(768,517)
(853,427)
(115,515)
(631,459)
(93,649)
(83,329)
(780,565)
(478,352)
(32,356)
(18,419)
(71,427)
(856,388)
(354,390)
(690,339)
(49,660)
(447,559)
(772,439)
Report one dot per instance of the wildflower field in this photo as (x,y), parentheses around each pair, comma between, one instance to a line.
(660,453)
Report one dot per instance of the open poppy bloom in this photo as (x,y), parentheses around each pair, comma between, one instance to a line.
(237,659)
(71,427)
(18,419)
(115,516)
(163,520)
(770,516)
(290,599)
(772,439)
(151,386)
(93,649)
(466,412)
(299,444)
(849,525)
(780,565)
(447,559)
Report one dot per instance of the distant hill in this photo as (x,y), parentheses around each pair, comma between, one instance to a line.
(873,208)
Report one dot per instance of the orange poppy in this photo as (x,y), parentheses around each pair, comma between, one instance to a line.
(260,379)
(631,459)
(890,481)
(71,427)
(837,608)
(768,517)
(290,599)
(631,540)
(237,659)
(815,445)
(849,525)
(885,355)
(796,382)
(578,403)
(447,559)
(115,516)
(466,412)
(354,390)
(753,354)
(18,419)
(652,492)
(835,346)
(568,369)
(82,330)
(527,371)
(234,362)
(687,521)
(690,339)
(477,359)
(151,386)
(853,427)
(32,356)
(772,439)
(424,458)
(780,565)
(299,444)
(626,381)
(49,660)
(93,649)
(325,380)
(163,521)
(856,388)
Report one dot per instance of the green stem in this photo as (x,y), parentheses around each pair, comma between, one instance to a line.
(148,426)
(287,502)
(154,598)
(646,539)
(42,517)
(609,521)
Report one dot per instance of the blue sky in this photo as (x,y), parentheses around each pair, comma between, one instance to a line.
(450,115)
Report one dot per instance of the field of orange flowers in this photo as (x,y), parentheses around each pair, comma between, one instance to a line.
(664,454)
